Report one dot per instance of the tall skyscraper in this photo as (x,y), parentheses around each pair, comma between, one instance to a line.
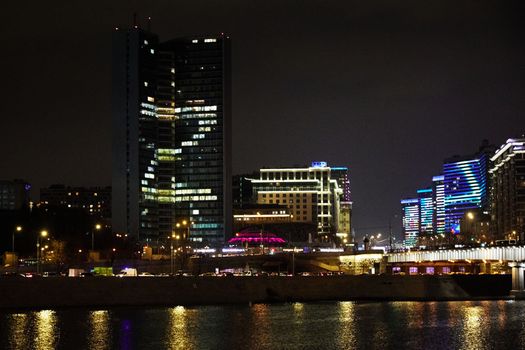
(203,175)
(508,190)
(426,210)
(134,186)
(410,215)
(172,136)
(438,201)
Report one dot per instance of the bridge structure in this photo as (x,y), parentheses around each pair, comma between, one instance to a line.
(511,256)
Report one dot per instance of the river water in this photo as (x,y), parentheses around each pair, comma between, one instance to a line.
(334,325)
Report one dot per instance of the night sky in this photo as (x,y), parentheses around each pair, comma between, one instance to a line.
(387,88)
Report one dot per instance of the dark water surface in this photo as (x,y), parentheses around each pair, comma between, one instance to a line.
(338,325)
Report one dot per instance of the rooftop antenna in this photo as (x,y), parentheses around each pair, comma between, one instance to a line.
(149,23)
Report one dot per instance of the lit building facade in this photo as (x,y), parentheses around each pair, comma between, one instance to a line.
(344,225)
(134,185)
(465,181)
(311,194)
(426,211)
(203,192)
(171,136)
(438,201)
(410,216)
(507,192)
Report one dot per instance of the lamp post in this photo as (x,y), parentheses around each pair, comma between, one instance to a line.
(470,217)
(186,224)
(171,254)
(17,229)
(42,233)
(97,227)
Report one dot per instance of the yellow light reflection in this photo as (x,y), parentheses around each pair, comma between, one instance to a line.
(298,308)
(46,332)
(100,337)
(347,327)
(260,320)
(472,328)
(179,336)
(18,328)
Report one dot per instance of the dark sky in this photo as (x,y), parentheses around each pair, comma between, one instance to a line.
(388,88)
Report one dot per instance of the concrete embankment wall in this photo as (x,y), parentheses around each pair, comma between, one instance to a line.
(140,291)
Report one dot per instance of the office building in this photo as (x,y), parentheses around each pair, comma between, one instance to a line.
(410,217)
(438,202)
(426,211)
(94,201)
(466,186)
(507,192)
(172,132)
(14,195)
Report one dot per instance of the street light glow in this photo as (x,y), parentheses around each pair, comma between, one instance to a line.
(43,233)
(18,228)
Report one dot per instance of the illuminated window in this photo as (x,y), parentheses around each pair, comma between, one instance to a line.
(151,99)
(152,51)
(146,83)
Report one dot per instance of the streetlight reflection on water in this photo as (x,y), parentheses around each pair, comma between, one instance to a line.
(322,325)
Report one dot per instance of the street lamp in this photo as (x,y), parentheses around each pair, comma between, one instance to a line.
(43,234)
(17,229)
(171,253)
(186,224)
(97,227)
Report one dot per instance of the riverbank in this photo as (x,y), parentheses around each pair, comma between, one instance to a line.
(55,292)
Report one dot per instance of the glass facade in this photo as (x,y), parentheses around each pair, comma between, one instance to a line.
(465,182)
(202,138)
(426,210)
(410,214)
(171,133)
(134,186)
(438,201)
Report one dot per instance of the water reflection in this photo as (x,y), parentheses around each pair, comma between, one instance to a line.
(46,333)
(343,325)
(100,336)
(347,331)
(17,325)
(178,334)
(472,333)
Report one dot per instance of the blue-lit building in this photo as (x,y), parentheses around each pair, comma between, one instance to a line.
(426,210)
(410,214)
(438,201)
(465,181)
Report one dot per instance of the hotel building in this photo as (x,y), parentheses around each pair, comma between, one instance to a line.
(507,190)
(311,194)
